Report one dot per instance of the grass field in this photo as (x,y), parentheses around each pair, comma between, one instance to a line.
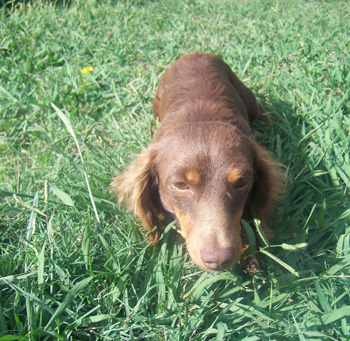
(76,85)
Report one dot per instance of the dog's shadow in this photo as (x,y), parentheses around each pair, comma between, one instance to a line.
(308,211)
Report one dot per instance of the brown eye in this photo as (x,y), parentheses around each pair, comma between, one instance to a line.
(241,183)
(181,185)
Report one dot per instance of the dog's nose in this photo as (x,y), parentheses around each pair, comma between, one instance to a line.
(216,258)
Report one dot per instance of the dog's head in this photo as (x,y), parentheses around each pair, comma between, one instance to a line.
(204,174)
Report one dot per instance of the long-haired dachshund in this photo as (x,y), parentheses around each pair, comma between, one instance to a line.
(203,166)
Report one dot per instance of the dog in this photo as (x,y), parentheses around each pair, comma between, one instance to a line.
(203,167)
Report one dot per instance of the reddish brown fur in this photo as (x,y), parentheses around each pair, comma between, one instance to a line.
(203,166)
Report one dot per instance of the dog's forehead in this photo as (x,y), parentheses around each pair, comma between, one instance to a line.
(207,135)
(195,145)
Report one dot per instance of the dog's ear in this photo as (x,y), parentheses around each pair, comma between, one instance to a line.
(269,183)
(138,189)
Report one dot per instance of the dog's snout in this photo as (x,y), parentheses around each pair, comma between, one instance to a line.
(217,258)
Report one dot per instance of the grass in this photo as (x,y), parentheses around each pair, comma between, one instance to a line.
(73,265)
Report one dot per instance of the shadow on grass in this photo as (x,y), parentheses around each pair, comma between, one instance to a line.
(313,206)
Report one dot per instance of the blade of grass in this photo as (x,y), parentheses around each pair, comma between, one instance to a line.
(66,199)
(69,127)
(70,297)
(41,264)
(281,262)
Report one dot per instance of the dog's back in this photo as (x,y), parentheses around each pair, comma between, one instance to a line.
(203,77)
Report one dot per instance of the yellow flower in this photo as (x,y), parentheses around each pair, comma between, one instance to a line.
(87,69)
(84,72)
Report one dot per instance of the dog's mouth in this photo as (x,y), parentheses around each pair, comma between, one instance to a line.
(219,250)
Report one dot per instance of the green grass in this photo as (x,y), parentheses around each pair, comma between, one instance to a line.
(75,266)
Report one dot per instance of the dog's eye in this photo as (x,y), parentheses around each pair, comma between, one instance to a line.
(181,185)
(241,183)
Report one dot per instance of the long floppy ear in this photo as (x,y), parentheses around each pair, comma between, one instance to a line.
(138,189)
(269,183)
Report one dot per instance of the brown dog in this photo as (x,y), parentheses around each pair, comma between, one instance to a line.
(203,166)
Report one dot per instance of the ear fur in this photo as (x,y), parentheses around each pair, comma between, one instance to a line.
(138,189)
(269,183)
